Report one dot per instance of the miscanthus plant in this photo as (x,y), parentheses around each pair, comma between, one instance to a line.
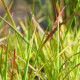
(39,54)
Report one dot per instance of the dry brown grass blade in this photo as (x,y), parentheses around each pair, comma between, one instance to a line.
(55,28)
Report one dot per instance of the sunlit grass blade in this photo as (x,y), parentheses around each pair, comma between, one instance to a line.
(22,25)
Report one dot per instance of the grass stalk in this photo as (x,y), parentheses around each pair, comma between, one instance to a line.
(6,63)
(57,66)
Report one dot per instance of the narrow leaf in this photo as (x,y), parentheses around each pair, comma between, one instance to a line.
(6,63)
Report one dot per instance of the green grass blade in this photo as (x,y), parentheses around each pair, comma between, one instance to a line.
(6,63)
(57,66)
(27,41)
(1,61)
(18,63)
(2,20)
(16,31)
(20,45)
(28,58)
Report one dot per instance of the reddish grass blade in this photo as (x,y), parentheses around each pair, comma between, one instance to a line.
(56,13)
(13,64)
(14,58)
(54,29)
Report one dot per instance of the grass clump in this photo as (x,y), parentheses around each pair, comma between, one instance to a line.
(39,54)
